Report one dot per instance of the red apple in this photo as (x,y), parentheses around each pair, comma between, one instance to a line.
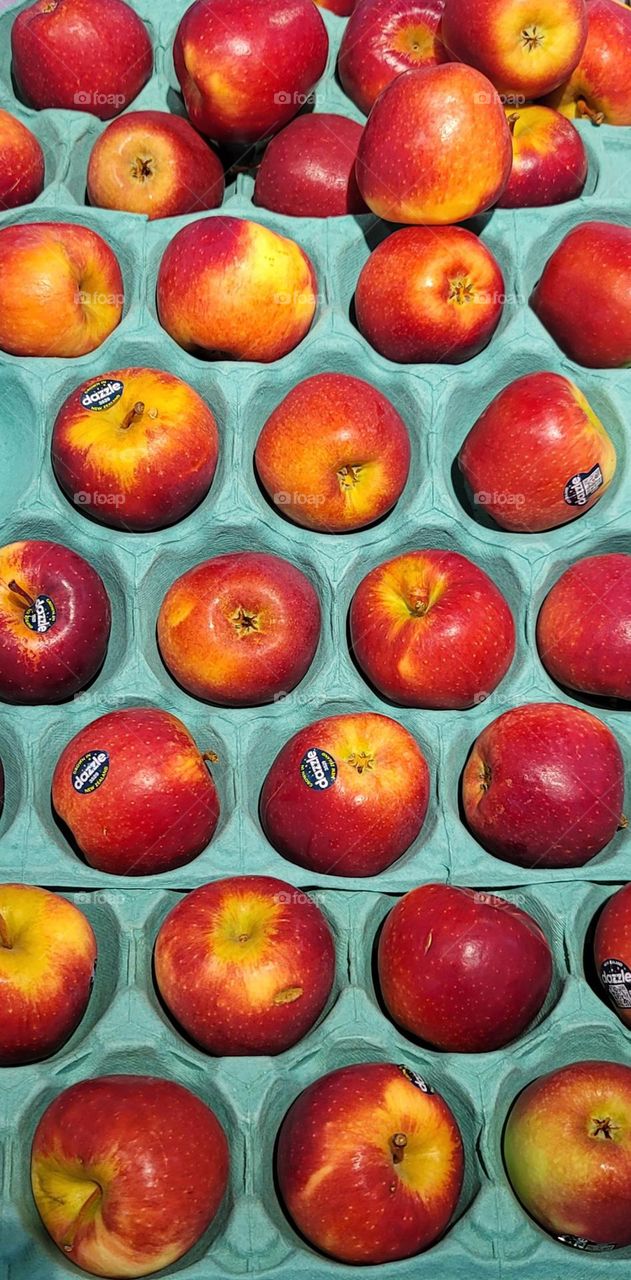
(245,965)
(430,629)
(584,295)
(47,961)
(128,1172)
(154,163)
(612,951)
(584,627)
(334,455)
(346,795)
(524,49)
(567,1149)
(543,786)
(429,295)
(308,170)
(21,163)
(370,1163)
(549,159)
(233,289)
(382,39)
(246,67)
(68,54)
(54,622)
(463,970)
(538,456)
(61,289)
(436,148)
(240,629)
(135,792)
(599,87)
(136,448)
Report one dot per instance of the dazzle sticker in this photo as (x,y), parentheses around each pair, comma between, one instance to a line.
(416,1079)
(588,1246)
(102,394)
(318,769)
(616,979)
(90,772)
(40,615)
(580,488)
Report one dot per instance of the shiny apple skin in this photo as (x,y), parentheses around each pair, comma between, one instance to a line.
(549,159)
(584,627)
(179,172)
(589,272)
(384,38)
(600,85)
(612,951)
(308,169)
(490,35)
(21,163)
(543,786)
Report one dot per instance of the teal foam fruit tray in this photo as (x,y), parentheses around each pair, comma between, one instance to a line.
(126,1027)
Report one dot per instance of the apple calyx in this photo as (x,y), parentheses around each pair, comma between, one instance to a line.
(19,591)
(531,38)
(461,291)
(485,777)
(5,940)
(588,113)
(134,415)
(604,1128)
(398,1143)
(288,995)
(245,622)
(361,761)
(86,1214)
(142,168)
(623,822)
(348,475)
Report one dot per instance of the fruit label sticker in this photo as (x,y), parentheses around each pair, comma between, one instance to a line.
(318,769)
(588,1246)
(102,394)
(90,772)
(580,488)
(416,1079)
(616,979)
(40,615)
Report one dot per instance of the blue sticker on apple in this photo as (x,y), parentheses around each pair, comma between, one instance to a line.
(318,769)
(90,772)
(102,394)
(580,487)
(40,615)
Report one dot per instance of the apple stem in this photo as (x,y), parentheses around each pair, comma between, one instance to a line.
(623,822)
(211,756)
(512,119)
(582,109)
(85,1214)
(398,1143)
(133,416)
(5,941)
(19,591)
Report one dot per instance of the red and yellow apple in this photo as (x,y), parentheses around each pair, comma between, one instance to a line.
(21,163)
(136,448)
(612,952)
(245,965)
(431,629)
(127,1173)
(246,67)
(525,47)
(61,289)
(154,163)
(346,795)
(308,170)
(240,629)
(47,962)
(384,38)
(584,295)
(567,1150)
(543,786)
(334,455)
(54,622)
(599,87)
(538,456)
(370,1163)
(233,289)
(135,793)
(70,55)
(549,159)
(429,295)
(584,627)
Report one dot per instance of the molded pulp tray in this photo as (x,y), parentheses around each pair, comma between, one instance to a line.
(125,1027)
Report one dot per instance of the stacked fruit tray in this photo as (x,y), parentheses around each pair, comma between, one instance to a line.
(126,1027)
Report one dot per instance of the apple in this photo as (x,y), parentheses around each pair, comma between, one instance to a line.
(599,87)
(429,295)
(245,965)
(154,163)
(525,49)
(430,629)
(67,54)
(246,67)
(308,170)
(128,1172)
(240,629)
(567,1150)
(47,962)
(543,786)
(382,39)
(549,159)
(61,289)
(612,952)
(334,455)
(537,456)
(21,163)
(584,295)
(462,969)
(346,795)
(232,289)
(137,448)
(584,627)
(54,622)
(135,792)
(436,147)
(370,1163)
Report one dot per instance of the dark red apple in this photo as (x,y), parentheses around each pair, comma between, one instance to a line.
(612,951)
(382,39)
(549,159)
(584,627)
(584,295)
(308,170)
